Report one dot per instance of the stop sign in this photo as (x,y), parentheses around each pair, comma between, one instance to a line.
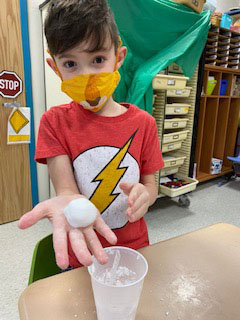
(10,84)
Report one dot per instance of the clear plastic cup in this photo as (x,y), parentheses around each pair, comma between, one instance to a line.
(117,285)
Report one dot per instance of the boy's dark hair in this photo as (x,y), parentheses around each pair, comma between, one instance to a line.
(70,22)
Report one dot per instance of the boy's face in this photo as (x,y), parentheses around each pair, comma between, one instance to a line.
(80,61)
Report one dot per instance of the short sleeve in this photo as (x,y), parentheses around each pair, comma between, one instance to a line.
(48,143)
(151,160)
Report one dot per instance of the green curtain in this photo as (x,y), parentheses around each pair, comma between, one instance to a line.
(157,33)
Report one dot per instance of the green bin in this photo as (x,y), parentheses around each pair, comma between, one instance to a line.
(210,87)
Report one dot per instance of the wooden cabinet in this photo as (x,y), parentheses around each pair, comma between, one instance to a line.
(217,124)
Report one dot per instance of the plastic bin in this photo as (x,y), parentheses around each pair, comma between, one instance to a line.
(175,68)
(192,183)
(210,86)
(168,171)
(164,82)
(175,123)
(167,147)
(175,136)
(223,87)
(224,41)
(179,93)
(211,51)
(225,33)
(177,108)
(222,64)
(233,67)
(223,47)
(171,161)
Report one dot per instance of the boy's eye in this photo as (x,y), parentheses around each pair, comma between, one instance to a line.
(99,60)
(69,64)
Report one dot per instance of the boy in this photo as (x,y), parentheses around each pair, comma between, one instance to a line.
(94,147)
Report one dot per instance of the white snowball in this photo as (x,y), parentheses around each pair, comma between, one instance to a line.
(80,213)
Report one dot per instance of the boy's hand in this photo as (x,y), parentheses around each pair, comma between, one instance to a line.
(81,239)
(138,200)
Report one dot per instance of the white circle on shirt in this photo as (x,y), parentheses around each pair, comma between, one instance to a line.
(87,167)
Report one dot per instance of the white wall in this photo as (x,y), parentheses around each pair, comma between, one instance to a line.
(38,86)
(46,84)
(225,5)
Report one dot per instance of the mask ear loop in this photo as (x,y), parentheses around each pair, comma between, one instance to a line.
(55,65)
(118,51)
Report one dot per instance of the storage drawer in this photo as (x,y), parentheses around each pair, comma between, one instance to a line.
(167,171)
(175,68)
(177,108)
(166,147)
(163,82)
(170,161)
(175,123)
(175,136)
(179,92)
(175,192)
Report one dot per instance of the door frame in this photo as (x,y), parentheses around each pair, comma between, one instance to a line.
(29,95)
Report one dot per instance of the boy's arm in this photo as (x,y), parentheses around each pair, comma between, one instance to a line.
(140,196)
(148,180)
(82,239)
(61,173)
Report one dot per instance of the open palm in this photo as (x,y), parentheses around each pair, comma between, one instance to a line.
(83,240)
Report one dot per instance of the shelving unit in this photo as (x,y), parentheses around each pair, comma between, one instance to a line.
(223,48)
(174,113)
(217,124)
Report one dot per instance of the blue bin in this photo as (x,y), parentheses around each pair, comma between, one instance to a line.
(223,87)
(226,21)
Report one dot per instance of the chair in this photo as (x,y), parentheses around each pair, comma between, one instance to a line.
(43,260)
(236,161)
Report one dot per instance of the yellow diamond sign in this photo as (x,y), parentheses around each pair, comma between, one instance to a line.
(18,121)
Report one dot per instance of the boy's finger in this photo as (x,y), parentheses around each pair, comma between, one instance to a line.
(105,231)
(137,202)
(79,247)
(30,218)
(139,213)
(60,242)
(133,196)
(126,187)
(95,245)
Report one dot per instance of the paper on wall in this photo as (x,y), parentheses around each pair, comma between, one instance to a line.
(19,126)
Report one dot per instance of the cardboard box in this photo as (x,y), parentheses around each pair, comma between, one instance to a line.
(216,166)
(196,5)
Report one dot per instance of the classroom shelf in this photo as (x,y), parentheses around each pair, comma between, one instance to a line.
(217,124)
(203,176)
(223,48)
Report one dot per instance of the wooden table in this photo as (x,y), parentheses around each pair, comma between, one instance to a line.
(192,277)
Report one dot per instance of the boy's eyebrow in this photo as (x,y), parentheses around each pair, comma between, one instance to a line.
(94,51)
(66,55)
(69,55)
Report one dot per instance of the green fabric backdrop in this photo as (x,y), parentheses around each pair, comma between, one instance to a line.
(157,33)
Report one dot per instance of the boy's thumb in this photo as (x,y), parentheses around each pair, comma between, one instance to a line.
(126,187)
(31,217)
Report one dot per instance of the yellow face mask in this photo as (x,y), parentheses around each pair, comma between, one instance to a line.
(92,90)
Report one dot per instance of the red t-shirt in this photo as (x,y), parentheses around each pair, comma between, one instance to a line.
(104,152)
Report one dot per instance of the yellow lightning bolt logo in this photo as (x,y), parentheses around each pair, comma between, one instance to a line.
(109,177)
